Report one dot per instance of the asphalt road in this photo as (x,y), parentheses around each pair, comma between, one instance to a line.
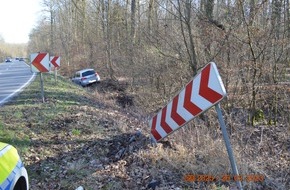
(14,76)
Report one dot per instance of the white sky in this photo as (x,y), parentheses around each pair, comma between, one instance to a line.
(17,18)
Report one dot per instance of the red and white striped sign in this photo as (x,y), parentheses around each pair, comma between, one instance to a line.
(204,91)
(39,62)
(55,61)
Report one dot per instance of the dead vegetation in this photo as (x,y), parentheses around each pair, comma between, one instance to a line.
(90,139)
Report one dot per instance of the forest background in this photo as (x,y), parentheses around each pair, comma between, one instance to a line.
(157,46)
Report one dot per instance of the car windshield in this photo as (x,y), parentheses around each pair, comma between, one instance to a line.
(87,73)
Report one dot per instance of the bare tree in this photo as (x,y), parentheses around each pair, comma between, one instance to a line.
(186,30)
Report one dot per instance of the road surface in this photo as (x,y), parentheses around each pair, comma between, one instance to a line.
(14,76)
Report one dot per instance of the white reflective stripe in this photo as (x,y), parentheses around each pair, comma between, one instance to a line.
(4,150)
(9,180)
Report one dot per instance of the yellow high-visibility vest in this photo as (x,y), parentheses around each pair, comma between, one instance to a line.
(11,167)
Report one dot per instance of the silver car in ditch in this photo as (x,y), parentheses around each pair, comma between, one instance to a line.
(86,77)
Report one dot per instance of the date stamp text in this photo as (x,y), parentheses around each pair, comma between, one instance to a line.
(223,178)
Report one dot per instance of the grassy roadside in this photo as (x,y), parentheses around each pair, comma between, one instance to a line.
(82,137)
(68,120)
(76,133)
(26,115)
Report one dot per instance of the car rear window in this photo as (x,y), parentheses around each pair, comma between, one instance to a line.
(87,73)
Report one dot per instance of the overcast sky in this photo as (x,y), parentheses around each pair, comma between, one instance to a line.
(17,18)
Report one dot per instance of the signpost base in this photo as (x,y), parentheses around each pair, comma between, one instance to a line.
(228,144)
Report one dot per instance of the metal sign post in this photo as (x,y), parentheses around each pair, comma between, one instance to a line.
(228,144)
(55,74)
(42,90)
(40,64)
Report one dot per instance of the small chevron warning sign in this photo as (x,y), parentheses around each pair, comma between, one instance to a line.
(205,90)
(55,61)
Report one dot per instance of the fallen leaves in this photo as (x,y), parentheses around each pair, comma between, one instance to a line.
(89,143)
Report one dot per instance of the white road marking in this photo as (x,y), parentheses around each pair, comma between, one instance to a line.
(18,90)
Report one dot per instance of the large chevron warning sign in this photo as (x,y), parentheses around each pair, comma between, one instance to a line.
(40,62)
(205,90)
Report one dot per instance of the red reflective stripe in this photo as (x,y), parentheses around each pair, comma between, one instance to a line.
(205,91)
(174,115)
(188,105)
(155,134)
(163,123)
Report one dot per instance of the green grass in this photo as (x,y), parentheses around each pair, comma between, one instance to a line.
(50,136)
(76,132)
(12,136)
(26,115)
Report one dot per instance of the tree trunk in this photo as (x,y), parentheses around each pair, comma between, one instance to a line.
(107,36)
(185,24)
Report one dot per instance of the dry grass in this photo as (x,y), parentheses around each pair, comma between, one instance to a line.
(83,137)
